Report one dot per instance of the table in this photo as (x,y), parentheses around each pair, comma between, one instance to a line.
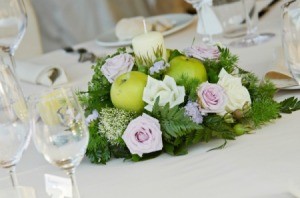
(259,165)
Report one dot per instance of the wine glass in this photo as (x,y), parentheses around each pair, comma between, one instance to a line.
(208,23)
(14,122)
(59,130)
(13,23)
(252,38)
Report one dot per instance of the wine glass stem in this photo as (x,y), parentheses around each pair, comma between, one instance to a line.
(75,191)
(13,62)
(249,22)
(13,176)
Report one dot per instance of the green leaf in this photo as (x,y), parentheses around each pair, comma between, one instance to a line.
(174,53)
(173,121)
(219,147)
(176,128)
(289,105)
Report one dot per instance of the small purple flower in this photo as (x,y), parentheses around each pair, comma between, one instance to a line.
(212,98)
(192,109)
(202,52)
(117,65)
(158,67)
(143,135)
(93,116)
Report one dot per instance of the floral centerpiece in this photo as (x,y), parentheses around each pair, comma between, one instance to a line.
(140,106)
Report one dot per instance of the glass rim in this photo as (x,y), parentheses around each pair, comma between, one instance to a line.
(45,94)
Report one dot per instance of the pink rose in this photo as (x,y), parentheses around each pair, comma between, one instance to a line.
(143,135)
(212,98)
(117,65)
(203,52)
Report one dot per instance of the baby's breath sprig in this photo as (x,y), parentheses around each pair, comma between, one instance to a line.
(113,123)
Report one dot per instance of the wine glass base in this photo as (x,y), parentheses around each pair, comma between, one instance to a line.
(252,41)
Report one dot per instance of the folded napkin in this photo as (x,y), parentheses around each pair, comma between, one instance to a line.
(41,74)
(209,22)
(279,74)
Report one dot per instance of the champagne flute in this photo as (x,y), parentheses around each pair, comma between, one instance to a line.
(13,23)
(59,130)
(208,23)
(252,38)
(14,122)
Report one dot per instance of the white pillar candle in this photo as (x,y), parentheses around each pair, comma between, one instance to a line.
(146,44)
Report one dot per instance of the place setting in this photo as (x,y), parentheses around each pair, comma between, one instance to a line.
(127,28)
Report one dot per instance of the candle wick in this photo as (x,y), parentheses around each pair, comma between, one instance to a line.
(145,26)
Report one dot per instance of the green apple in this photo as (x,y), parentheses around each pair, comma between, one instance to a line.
(127,91)
(185,66)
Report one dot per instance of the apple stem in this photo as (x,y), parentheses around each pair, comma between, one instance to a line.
(123,81)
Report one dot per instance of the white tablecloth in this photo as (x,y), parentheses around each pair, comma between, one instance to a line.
(257,165)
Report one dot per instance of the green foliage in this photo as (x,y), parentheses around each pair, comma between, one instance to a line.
(263,90)
(216,127)
(190,86)
(226,61)
(174,53)
(289,105)
(176,128)
(249,80)
(98,150)
(98,94)
(173,121)
(263,110)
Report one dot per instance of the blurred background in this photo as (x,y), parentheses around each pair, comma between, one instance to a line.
(55,24)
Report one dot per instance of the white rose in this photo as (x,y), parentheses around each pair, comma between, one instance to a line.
(117,65)
(237,94)
(166,90)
